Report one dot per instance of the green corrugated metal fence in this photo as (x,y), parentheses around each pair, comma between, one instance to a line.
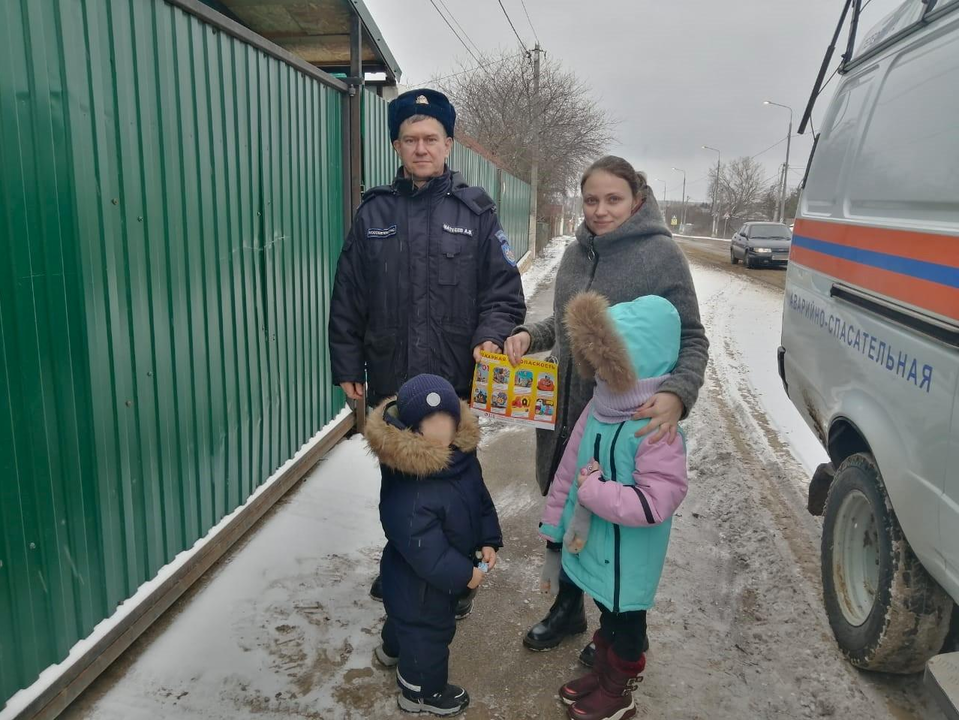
(511,194)
(515,212)
(172,212)
(380,162)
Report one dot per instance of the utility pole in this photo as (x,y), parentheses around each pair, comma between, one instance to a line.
(535,160)
(683,199)
(715,210)
(663,205)
(786,164)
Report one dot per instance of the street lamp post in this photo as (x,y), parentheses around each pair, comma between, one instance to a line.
(715,210)
(786,164)
(683,198)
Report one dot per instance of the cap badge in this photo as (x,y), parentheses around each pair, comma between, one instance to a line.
(422,100)
(433,399)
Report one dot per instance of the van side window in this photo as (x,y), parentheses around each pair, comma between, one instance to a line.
(907,166)
(822,192)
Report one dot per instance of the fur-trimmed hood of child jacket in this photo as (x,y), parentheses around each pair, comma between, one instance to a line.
(434,507)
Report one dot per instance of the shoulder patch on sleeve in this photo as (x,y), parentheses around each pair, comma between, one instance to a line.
(505,248)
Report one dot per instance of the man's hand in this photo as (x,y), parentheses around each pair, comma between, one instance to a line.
(488,346)
(489,556)
(476,579)
(353,390)
(664,410)
(517,346)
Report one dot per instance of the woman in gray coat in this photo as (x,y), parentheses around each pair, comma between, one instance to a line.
(623,251)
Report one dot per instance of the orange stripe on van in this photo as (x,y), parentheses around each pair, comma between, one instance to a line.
(927,247)
(920,293)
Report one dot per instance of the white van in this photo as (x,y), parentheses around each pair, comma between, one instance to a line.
(869,353)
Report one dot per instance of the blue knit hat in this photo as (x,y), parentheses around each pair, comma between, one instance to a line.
(425,395)
(421,102)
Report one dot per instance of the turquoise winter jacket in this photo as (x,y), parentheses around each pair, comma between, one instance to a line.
(633,346)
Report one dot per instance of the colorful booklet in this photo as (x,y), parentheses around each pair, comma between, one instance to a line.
(526,394)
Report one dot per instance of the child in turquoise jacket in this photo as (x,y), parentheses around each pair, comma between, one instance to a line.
(614,495)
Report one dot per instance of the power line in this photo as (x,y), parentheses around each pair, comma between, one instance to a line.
(537,37)
(457,23)
(479,67)
(507,16)
(465,46)
(779,142)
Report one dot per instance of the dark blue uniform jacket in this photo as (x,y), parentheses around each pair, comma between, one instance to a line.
(425,276)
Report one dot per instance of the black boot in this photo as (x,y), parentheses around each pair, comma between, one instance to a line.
(452,700)
(376,590)
(566,618)
(588,654)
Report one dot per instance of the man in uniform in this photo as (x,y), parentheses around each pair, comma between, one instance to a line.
(426,279)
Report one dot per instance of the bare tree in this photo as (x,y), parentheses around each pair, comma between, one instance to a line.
(770,202)
(741,187)
(495,105)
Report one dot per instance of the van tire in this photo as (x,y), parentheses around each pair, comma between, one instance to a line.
(905,620)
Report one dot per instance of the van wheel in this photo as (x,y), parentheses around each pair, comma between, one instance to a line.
(887,613)
(733,258)
(747,260)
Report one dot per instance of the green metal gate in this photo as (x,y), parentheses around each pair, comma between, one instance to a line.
(173,209)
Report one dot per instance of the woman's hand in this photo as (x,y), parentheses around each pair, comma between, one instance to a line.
(517,346)
(664,410)
(489,556)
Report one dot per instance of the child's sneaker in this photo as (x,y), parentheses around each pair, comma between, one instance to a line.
(452,701)
(385,658)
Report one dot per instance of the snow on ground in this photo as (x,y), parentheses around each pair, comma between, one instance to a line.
(742,319)
(544,268)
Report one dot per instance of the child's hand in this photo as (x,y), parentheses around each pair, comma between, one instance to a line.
(575,538)
(476,579)
(550,574)
(592,467)
(489,556)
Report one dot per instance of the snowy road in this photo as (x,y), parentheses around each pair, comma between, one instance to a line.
(284,627)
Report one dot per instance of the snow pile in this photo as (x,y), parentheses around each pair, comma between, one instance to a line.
(544,268)
(742,319)
(281,628)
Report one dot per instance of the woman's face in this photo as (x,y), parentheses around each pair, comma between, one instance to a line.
(607,202)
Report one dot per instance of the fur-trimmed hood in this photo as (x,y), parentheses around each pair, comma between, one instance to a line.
(631,341)
(409,452)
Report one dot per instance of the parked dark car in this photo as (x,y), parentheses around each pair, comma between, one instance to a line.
(761,243)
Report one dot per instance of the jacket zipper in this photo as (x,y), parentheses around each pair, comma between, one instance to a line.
(567,378)
(616,527)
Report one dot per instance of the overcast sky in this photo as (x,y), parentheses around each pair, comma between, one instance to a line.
(677,73)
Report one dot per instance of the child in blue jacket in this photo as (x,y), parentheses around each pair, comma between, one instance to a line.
(442,534)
